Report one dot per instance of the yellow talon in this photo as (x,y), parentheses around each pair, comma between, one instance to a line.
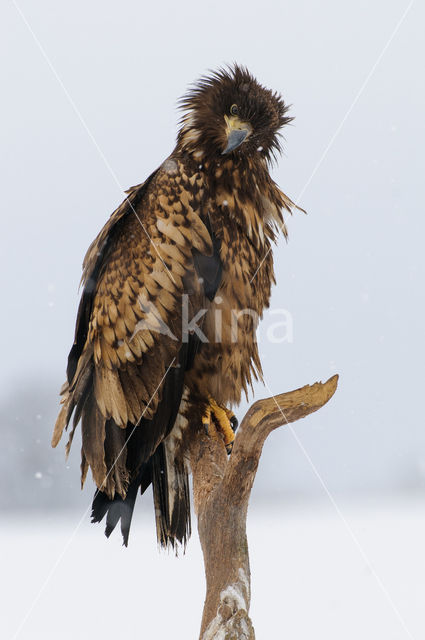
(206,419)
(233,419)
(222,420)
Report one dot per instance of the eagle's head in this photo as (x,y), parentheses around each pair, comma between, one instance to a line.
(229,112)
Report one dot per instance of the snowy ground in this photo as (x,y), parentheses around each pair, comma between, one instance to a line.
(310,577)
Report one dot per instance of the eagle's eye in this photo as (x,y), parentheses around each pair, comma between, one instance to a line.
(234,110)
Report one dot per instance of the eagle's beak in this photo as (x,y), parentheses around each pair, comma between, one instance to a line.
(236,131)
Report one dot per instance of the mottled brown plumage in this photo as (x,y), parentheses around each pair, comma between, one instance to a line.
(188,240)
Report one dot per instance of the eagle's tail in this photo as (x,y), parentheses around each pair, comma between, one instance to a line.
(115,510)
(170,482)
(170,485)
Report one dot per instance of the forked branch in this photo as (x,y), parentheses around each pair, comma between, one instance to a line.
(222,487)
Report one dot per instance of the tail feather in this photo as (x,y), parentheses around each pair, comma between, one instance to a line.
(115,510)
(170,483)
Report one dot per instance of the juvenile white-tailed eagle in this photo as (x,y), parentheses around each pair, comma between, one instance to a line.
(165,333)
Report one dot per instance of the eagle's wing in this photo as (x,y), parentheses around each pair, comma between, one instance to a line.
(128,339)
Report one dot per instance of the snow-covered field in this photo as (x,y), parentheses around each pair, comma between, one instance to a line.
(310,577)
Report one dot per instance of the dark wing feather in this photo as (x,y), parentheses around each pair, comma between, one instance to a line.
(93,265)
(209,267)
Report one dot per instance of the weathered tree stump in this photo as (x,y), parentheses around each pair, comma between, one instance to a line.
(222,487)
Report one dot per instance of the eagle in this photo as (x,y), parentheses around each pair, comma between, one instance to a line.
(173,288)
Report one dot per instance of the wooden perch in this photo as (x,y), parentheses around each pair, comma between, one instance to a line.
(221,488)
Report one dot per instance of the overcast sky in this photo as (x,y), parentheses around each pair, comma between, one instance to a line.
(88,108)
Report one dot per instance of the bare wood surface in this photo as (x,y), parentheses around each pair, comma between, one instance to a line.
(222,487)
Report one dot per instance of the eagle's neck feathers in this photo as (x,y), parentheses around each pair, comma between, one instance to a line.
(244,192)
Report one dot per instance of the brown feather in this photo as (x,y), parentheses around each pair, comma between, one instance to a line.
(93,432)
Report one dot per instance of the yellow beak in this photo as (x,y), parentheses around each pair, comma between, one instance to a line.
(236,131)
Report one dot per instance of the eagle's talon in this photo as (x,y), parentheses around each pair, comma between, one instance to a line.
(229,448)
(217,419)
(234,422)
(206,421)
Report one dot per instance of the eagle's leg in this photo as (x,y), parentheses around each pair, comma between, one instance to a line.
(217,419)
